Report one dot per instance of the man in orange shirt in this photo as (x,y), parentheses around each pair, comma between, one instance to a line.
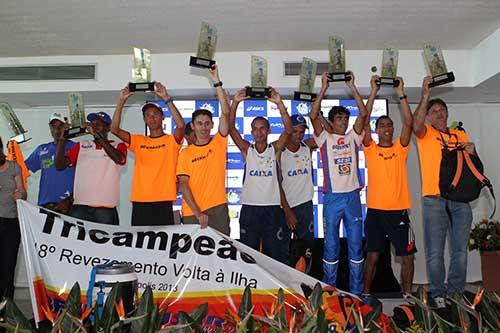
(441,215)
(201,168)
(154,181)
(388,197)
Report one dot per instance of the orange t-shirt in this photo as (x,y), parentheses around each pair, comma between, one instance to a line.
(429,150)
(206,168)
(154,170)
(387,179)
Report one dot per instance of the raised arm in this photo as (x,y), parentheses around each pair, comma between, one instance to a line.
(161,92)
(223,100)
(188,196)
(285,118)
(359,124)
(61,162)
(327,125)
(421,111)
(114,154)
(241,143)
(125,93)
(315,116)
(406,112)
(367,139)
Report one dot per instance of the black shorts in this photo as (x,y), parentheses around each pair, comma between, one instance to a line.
(152,213)
(393,224)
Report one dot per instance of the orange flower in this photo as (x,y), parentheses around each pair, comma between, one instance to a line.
(120,309)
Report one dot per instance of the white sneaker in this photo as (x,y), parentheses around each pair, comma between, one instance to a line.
(440,303)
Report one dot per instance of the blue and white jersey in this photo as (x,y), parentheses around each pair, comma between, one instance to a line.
(260,182)
(339,155)
(296,170)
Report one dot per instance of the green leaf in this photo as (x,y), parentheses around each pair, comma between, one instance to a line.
(199,313)
(73,309)
(281,315)
(146,307)
(316,297)
(14,316)
(245,309)
(109,315)
(321,323)
(12,328)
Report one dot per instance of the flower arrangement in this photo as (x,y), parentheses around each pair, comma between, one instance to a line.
(485,236)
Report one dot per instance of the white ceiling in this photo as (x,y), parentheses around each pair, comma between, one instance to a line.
(92,27)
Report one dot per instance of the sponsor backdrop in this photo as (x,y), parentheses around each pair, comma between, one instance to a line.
(249,109)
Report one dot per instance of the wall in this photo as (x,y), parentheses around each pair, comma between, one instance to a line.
(480,120)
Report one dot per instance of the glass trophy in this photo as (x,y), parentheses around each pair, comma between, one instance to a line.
(141,73)
(258,88)
(14,123)
(206,47)
(435,62)
(336,66)
(389,68)
(307,78)
(76,116)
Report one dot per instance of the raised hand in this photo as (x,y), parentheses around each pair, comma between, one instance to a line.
(275,96)
(240,96)
(125,93)
(213,72)
(400,89)
(373,83)
(426,89)
(161,91)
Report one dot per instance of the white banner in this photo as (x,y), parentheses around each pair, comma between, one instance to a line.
(184,265)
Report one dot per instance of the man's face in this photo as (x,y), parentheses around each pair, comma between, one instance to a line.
(153,117)
(298,134)
(99,126)
(385,129)
(340,123)
(260,130)
(437,116)
(56,129)
(202,125)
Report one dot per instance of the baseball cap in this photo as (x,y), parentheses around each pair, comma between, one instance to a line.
(148,104)
(298,120)
(103,115)
(57,116)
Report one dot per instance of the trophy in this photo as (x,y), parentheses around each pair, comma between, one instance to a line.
(141,73)
(435,62)
(389,68)
(258,88)
(76,116)
(336,65)
(307,77)
(206,47)
(14,123)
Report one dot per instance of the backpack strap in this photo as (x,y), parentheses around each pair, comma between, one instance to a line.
(458,171)
(482,178)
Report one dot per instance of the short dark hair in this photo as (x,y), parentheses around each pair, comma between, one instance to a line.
(263,119)
(337,110)
(382,118)
(201,112)
(434,101)
(188,129)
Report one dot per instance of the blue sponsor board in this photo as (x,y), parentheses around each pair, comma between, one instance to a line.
(235,161)
(249,138)
(350,105)
(233,195)
(255,108)
(276,125)
(239,125)
(300,107)
(211,105)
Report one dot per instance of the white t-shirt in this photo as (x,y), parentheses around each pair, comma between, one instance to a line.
(260,183)
(296,169)
(339,155)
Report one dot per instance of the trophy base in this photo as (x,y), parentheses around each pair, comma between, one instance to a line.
(442,79)
(20,138)
(141,86)
(387,81)
(201,62)
(339,77)
(257,92)
(73,132)
(303,96)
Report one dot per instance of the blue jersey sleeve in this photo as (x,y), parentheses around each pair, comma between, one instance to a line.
(33,161)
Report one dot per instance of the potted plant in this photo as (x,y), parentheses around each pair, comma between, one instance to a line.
(485,237)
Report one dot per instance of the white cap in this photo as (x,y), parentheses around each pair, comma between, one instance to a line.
(57,116)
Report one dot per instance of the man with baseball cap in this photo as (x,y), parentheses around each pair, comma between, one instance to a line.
(154,181)
(297,182)
(97,171)
(56,186)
